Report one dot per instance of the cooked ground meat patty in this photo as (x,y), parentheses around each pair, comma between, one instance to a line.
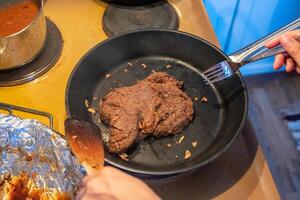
(155,106)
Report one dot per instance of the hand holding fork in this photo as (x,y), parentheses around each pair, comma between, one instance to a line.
(283,42)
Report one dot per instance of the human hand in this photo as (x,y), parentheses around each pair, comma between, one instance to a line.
(112,184)
(291,42)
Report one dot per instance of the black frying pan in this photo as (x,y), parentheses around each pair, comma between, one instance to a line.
(216,123)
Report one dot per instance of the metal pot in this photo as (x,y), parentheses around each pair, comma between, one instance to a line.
(22,47)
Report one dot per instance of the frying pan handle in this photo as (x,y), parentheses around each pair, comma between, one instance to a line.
(257,50)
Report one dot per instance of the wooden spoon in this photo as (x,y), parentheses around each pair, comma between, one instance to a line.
(86,143)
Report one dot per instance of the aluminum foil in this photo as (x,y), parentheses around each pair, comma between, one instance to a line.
(27,145)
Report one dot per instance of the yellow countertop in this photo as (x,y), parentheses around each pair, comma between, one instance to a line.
(80,24)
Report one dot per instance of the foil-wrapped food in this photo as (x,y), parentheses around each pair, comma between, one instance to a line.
(36,162)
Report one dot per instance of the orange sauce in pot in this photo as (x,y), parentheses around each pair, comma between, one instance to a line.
(17,16)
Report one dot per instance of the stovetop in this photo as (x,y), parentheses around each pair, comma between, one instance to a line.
(240,173)
(118,19)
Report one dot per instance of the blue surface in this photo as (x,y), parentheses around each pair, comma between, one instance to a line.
(294,128)
(238,23)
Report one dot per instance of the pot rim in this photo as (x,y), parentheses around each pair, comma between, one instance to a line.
(31,23)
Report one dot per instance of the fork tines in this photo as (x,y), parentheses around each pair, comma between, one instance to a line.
(217,72)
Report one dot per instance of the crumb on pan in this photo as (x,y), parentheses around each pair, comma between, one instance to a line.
(124,156)
(107,75)
(129,64)
(196,98)
(181,139)
(86,103)
(144,66)
(92,110)
(194,144)
(125,70)
(74,137)
(168,66)
(204,99)
(153,71)
(169,145)
(187,154)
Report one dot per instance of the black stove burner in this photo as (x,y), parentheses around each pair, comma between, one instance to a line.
(120,19)
(41,64)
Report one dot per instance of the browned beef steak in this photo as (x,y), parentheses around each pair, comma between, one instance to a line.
(154,106)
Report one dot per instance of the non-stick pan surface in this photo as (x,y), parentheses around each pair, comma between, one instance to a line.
(125,59)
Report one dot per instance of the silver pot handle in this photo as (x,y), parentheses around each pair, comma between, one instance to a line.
(257,50)
(3,45)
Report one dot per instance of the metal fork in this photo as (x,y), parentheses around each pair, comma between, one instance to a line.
(251,53)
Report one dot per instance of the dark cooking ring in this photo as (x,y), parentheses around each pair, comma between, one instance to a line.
(118,60)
